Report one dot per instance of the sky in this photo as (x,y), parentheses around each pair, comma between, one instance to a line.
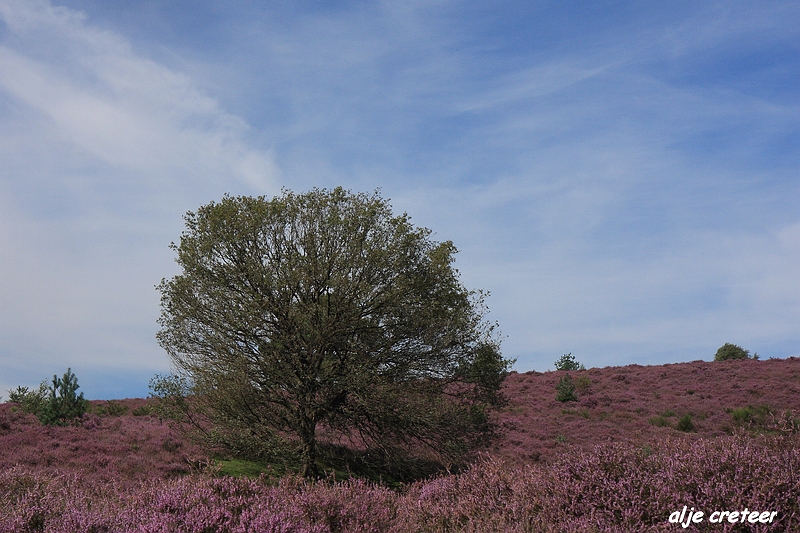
(621,177)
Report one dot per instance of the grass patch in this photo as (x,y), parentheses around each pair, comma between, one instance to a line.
(242,468)
(585,413)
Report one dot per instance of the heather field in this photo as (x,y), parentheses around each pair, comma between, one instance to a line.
(638,444)
(641,403)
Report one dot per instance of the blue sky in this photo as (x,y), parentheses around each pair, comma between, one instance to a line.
(622,177)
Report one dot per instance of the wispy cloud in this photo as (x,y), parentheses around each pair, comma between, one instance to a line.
(117,107)
(102,150)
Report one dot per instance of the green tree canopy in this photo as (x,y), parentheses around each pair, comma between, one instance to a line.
(62,404)
(324,310)
(568,362)
(732,351)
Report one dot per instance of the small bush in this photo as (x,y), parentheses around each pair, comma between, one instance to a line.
(685,424)
(63,404)
(31,401)
(565,390)
(659,421)
(753,416)
(583,384)
(142,410)
(568,362)
(111,408)
(729,351)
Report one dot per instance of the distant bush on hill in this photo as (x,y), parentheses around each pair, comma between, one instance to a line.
(565,390)
(31,401)
(568,362)
(730,351)
(57,404)
(110,408)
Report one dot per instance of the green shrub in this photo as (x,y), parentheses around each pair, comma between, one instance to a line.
(111,408)
(659,421)
(685,423)
(582,384)
(568,362)
(31,401)
(565,390)
(756,416)
(142,410)
(730,351)
(63,404)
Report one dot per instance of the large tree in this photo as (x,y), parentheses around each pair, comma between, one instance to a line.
(325,310)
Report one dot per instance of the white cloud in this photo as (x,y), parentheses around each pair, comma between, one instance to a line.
(119,108)
(102,152)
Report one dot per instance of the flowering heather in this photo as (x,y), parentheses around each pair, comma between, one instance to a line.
(615,487)
(627,403)
(108,448)
(602,465)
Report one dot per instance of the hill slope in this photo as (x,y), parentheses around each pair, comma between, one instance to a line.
(640,403)
(634,403)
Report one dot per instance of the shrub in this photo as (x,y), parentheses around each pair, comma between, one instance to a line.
(730,351)
(685,424)
(582,384)
(31,401)
(63,404)
(565,390)
(753,416)
(142,410)
(568,362)
(111,408)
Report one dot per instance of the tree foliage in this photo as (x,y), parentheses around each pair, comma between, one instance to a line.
(63,404)
(324,310)
(31,401)
(730,351)
(568,362)
(565,389)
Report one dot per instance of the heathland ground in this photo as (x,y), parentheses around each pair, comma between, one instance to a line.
(639,443)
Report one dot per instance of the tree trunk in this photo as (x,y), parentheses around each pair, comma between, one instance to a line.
(308,448)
